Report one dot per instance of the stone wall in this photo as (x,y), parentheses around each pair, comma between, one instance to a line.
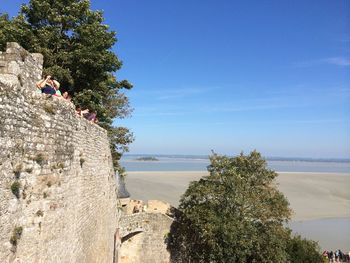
(18,62)
(57,184)
(144,238)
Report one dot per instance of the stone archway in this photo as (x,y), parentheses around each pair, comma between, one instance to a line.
(143,237)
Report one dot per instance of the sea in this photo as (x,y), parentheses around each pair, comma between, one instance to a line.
(331,233)
(200,163)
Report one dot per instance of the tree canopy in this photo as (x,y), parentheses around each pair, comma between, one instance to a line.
(301,250)
(236,214)
(77,49)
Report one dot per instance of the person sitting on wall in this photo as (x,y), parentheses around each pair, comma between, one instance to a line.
(56,86)
(46,85)
(78,110)
(92,116)
(66,96)
(81,112)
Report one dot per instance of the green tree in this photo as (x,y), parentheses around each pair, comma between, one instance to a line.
(13,30)
(236,214)
(77,49)
(301,250)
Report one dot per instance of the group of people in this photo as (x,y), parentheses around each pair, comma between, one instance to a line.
(336,256)
(49,85)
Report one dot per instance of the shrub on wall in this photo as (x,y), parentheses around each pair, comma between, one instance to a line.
(16,235)
(40,159)
(17,170)
(15,188)
(49,108)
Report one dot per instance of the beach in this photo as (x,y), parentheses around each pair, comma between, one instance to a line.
(317,199)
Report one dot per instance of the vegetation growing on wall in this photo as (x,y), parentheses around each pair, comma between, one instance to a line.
(16,235)
(15,188)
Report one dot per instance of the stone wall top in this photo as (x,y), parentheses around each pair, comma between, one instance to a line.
(26,67)
(21,70)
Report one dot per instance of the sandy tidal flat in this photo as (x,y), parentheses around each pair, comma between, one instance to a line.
(320,201)
(311,195)
(316,195)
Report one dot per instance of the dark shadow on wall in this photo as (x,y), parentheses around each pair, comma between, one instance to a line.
(128,236)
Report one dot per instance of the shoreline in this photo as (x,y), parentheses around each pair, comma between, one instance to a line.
(203,172)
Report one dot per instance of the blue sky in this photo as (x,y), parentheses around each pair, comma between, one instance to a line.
(234,75)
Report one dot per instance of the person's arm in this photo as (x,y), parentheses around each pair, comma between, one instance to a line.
(42,83)
(85,111)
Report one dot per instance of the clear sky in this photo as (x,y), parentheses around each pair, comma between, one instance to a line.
(234,75)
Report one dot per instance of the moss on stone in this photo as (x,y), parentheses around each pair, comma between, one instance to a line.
(49,108)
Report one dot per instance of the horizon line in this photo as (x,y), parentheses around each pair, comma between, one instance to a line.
(344,159)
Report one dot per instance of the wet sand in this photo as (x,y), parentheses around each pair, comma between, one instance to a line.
(311,195)
(316,195)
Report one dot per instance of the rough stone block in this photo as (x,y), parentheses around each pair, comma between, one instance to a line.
(13,68)
(13,45)
(38,58)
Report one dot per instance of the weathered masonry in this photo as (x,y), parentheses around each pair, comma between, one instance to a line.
(58,200)
(143,234)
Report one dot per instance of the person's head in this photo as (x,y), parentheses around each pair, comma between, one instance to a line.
(66,96)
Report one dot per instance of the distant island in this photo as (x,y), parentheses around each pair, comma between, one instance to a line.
(147,158)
